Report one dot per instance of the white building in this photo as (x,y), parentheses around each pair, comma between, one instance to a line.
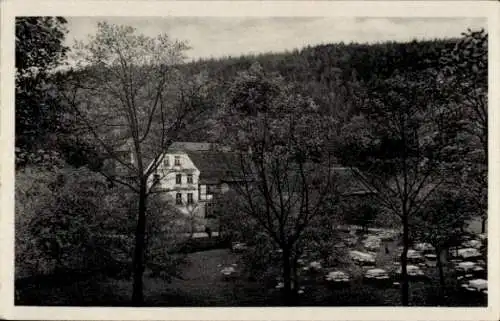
(191,174)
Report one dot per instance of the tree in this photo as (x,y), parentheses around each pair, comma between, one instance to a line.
(62,215)
(441,223)
(464,78)
(406,143)
(286,173)
(33,195)
(465,75)
(39,50)
(163,240)
(234,224)
(193,212)
(127,93)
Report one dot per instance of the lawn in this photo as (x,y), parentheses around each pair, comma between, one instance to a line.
(203,284)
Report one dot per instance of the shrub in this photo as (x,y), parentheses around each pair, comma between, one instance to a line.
(203,244)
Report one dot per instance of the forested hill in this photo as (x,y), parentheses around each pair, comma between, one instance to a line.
(323,63)
(328,73)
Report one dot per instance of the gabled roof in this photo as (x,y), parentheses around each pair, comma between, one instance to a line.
(197,147)
(190,146)
(346,180)
(216,167)
(350,180)
(217,164)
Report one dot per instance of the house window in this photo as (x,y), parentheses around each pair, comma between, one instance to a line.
(166,161)
(210,210)
(177,161)
(190,178)
(156,179)
(190,198)
(178,179)
(203,192)
(178,199)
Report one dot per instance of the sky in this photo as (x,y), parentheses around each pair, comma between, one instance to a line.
(234,36)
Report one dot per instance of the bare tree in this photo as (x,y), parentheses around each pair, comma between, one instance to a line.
(405,142)
(132,102)
(286,176)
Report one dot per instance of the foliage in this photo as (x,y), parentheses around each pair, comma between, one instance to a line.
(39,49)
(443,218)
(280,138)
(163,242)
(31,194)
(442,223)
(128,95)
(409,145)
(69,219)
(329,73)
(61,216)
(404,140)
(464,77)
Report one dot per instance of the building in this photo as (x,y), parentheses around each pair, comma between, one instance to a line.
(191,174)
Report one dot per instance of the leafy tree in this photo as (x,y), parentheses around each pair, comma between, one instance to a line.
(61,215)
(331,74)
(465,75)
(33,193)
(406,142)
(39,50)
(193,217)
(464,78)
(129,96)
(68,219)
(163,240)
(43,129)
(287,179)
(441,223)
(234,224)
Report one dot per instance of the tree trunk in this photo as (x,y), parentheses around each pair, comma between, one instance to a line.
(137,292)
(191,227)
(287,278)
(441,274)
(483,225)
(404,261)
(439,264)
(295,278)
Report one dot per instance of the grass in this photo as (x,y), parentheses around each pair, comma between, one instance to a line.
(202,284)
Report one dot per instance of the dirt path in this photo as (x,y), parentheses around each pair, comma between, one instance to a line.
(202,282)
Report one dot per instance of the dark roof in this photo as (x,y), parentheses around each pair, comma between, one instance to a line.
(197,147)
(350,180)
(346,180)
(216,167)
(190,146)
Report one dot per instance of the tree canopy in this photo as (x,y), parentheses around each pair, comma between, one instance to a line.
(39,50)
